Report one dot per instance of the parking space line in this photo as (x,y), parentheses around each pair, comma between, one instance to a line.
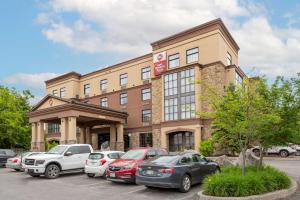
(136,190)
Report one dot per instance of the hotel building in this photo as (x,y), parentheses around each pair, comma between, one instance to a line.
(151,100)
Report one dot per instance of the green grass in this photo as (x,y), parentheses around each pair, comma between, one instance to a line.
(231,182)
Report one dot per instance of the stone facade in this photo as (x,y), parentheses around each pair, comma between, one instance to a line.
(134,140)
(157,100)
(156,137)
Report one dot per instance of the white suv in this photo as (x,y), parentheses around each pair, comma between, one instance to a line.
(282,151)
(60,159)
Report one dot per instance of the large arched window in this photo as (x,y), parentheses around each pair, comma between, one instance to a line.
(179,141)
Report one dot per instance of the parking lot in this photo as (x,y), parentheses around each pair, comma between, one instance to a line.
(18,185)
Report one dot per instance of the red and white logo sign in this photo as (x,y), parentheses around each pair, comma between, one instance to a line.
(160,63)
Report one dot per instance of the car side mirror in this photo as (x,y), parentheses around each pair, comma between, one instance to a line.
(68,153)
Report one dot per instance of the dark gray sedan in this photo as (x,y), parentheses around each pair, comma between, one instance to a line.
(175,171)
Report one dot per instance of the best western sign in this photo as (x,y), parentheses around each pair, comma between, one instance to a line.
(160,63)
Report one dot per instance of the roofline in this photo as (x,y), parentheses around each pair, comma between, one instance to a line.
(217,21)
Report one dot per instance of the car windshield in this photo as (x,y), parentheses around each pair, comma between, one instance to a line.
(96,156)
(166,159)
(57,150)
(2,153)
(136,154)
(25,154)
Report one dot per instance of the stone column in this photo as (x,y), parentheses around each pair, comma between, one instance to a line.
(72,137)
(120,137)
(95,141)
(33,136)
(88,135)
(82,135)
(113,137)
(40,136)
(164,138)
(63,130)
(197,137)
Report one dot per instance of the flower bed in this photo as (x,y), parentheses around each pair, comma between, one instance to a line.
(231,182)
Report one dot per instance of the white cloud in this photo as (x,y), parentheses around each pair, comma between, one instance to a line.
(127,27)
(30,81)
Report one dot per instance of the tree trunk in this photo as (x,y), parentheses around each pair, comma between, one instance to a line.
(244,161)
(261,156)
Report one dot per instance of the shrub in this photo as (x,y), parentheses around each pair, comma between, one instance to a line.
(231,182)
(206,147)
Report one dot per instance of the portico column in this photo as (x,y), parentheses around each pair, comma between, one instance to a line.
(95,141)
(120,137)
(164,140)
(82,135)
(33,136)
(88,135)
(113,137)
(197,137)
(63,130)
(72,139)
(40,136)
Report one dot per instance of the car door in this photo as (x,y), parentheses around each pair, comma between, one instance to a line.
(191,167)
(71,161)
(84,153)
(203,169)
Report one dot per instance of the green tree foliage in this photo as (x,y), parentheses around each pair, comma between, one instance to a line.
(15,131)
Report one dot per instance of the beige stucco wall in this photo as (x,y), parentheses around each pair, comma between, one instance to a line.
(51,102)
(71,87)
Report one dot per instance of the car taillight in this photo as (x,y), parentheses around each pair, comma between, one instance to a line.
(166,171)
(15,161)
(102,162)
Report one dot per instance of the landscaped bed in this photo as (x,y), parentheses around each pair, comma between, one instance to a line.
(231,182)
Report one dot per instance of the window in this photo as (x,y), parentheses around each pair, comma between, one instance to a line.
(146,115)
(54,93)
(104,102)
(86,89)
(146,140)
(179,95)
(180,141)
(114,155)
(146,94)
(187,107)
(84,149)
(174,61)
(62,92)
(74,150)
(123,79)
(53,128)
(229,59)
(192,55)
(146,73)
(103,84)
(238,79)
(123,98)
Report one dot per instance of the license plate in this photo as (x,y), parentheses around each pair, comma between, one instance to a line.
(149,172)
(113,175)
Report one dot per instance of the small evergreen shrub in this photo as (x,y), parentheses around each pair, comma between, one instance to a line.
(231,182)
(206,147)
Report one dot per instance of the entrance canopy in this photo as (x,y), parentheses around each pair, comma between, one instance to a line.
(70,114)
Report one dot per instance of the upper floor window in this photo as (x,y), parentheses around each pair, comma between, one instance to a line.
(103,84)
(53,128)
(187,81)
(229,59)
(238,79)
(54,93)
(170,84)
(104,102)
(123,98)
(123,79)
(146,73)
(146,115)
(192,55)
(146,94)
(62,92)
(174,60)
(86,89)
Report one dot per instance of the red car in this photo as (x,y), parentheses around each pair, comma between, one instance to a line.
(124,169)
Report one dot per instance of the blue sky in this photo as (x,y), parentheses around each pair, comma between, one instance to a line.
(41,39)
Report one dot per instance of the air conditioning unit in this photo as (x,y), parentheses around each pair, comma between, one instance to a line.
(123,87)
(146,82)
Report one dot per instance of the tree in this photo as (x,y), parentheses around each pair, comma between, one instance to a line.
(14,126)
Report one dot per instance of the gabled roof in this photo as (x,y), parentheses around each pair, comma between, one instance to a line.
(48,96)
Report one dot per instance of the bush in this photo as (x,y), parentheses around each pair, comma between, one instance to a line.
(206,147)
(231,182)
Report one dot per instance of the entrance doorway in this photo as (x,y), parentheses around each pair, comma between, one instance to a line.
(103,137)
(181,140)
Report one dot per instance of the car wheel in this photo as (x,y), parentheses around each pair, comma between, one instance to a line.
(90,175)
(256,152)
(284,153)
(52,171)
(185,183)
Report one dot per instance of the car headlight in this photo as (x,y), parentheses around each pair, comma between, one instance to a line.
(39,162)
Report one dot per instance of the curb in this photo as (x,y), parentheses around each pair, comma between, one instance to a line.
(280,194)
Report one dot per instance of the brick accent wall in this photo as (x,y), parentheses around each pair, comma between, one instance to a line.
(157,87)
